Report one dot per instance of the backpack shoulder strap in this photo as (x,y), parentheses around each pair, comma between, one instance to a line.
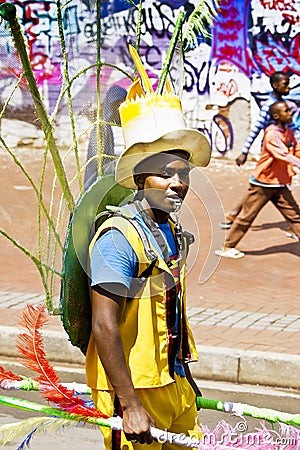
(128,215)
(109,216)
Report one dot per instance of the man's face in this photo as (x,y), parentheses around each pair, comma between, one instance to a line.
(166,181)
(284,113)
(282,86)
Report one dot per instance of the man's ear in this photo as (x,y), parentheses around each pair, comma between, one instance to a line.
(139,180)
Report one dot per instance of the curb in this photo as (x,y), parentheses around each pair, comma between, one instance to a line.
(247,367)
(215,363)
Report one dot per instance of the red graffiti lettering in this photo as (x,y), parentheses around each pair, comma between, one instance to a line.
(272,56)
(231,12)
(233,25)
(279,5)
(228,89)
(293,20)
(228,37)
(226,3)
(231,52)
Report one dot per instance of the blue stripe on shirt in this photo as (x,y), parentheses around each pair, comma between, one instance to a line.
(262,122)
(253,180)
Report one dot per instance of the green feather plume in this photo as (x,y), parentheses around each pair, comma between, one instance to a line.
(199,22)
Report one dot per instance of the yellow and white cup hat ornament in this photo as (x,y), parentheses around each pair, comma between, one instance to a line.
(154,123)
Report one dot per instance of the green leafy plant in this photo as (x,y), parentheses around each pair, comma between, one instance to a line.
(53,213)
(199,22)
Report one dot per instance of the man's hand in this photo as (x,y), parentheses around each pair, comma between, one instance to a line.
(137,423)
(241,159)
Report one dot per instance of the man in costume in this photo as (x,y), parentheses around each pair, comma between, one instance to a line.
(141,342)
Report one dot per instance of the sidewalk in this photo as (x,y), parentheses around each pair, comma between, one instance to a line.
(245,316)
(226,362)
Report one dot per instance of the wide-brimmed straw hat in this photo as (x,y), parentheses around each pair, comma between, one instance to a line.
(151,124)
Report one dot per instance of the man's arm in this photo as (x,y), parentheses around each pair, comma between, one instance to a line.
(279,150)
(297,149)
(108,308)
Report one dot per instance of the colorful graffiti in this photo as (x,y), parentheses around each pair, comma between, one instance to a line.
(250,40)
(275,35)
(230,35)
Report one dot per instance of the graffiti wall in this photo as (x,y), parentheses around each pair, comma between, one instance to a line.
(250,40)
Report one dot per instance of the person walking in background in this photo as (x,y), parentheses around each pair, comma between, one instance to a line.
(270,180)
(280,83)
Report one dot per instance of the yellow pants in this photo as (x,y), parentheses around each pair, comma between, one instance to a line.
(173,407)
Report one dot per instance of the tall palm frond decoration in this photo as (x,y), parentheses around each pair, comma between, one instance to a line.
(199,22)
(51,217)
(186,31)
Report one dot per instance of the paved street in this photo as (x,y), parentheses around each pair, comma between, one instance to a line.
(82,437)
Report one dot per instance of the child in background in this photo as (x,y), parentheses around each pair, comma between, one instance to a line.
(270,180)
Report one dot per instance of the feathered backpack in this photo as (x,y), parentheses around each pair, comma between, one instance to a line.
(75,303)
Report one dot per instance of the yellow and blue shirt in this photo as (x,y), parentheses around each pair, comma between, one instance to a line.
(154,329)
